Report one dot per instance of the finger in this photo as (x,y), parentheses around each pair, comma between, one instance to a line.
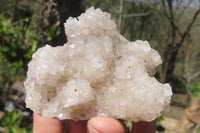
(105,125)
(144,127)
(76,126)
(46,125)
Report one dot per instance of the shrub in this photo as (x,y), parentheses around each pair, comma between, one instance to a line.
(12,120)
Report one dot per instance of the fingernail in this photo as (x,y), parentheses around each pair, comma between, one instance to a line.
(92,130)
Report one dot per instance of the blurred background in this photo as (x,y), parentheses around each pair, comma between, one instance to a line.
(171,26)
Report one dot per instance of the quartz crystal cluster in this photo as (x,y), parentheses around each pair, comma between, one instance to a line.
(96,73)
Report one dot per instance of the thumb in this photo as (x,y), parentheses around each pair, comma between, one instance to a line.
(105,125)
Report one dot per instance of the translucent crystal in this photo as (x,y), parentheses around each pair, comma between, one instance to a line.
(96,73)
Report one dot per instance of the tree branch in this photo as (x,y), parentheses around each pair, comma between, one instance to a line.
(171,18)
(120,15)
(189,26)
(136,15)
(165,11)
(184,8)
(170,6)
(195,75)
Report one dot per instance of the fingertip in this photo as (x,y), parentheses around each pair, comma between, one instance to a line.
(105,125)
(46,125)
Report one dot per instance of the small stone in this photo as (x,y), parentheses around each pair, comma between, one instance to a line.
(96,73)
(169,124)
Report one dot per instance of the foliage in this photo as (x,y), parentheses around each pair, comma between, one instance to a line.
(18,41)
(20,37)
(128,125)
(196,89)
(12,121)
(159,127)
(160,118)
(51,32)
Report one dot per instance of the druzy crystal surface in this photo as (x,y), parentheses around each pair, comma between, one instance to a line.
(96,73)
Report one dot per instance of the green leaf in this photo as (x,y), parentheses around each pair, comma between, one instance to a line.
(161,117)
(12,120)
(196,89)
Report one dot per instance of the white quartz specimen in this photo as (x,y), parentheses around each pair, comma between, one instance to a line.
(96,73)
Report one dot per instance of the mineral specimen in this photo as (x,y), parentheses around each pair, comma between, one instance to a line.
(96,73)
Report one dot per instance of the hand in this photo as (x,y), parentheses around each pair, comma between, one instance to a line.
(94,125)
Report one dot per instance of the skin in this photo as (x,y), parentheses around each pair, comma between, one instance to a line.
(94,125)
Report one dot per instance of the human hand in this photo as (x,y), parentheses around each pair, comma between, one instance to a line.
(94,125)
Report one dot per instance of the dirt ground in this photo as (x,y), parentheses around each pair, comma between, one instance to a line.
(182,120)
